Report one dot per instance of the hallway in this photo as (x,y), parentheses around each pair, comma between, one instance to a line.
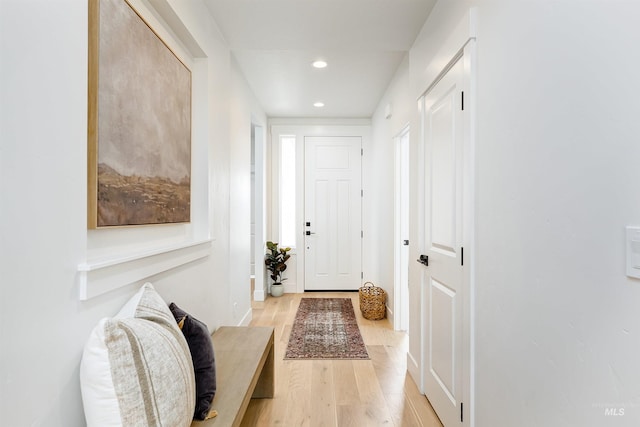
(341,393)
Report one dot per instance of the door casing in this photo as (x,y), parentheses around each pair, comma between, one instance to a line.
(466,54)
(300,129)
(401,269)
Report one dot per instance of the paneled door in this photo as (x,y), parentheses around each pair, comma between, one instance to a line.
(442,276)
(333,213)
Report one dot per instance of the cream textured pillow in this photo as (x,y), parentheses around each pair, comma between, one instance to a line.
(137,371)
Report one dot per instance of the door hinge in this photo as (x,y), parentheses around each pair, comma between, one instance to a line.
(362,234)
(361,275)
(461,256)
(362,151)
(462,100)
(361,193)
(461,412)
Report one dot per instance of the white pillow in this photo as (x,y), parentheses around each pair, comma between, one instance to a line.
(130,307)
(138,370)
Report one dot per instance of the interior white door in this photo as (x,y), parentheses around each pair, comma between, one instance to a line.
(443,219)
(333,213)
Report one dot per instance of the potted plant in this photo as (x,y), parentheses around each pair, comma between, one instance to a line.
(276,262)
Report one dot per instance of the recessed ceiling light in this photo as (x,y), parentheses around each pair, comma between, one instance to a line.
(319,64)
(318,104)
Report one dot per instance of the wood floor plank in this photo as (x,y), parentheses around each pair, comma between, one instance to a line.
(389,379)
(254,413)
(371,394)
(350,415)
(361,416)
(420,404)
(368,386)
(298,412)
(323,399)
(344,380)
(402,412)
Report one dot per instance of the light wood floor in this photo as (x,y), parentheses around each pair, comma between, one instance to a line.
(341,393)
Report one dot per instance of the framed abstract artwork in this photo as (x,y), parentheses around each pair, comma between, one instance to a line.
(139,122)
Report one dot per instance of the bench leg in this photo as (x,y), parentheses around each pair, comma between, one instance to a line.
(264,387)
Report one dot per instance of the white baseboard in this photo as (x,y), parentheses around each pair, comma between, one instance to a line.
(259,295)
(414,371)
(391,317)
(246,319)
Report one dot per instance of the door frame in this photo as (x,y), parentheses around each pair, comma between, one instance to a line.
(301,128)
(259,205)
(466,54)
(442,278)
(400,295)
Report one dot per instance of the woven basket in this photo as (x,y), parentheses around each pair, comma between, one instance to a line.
(372,301)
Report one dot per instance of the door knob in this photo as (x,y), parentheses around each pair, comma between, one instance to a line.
(424,260)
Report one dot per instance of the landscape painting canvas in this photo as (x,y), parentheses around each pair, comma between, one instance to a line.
(139,122)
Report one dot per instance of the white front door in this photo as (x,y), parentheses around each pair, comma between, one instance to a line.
(442,278)
(333,218)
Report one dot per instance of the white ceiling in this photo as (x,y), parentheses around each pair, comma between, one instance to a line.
(275,42)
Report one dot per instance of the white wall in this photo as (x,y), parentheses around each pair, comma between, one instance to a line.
(43,234)
(556,182)
(244,109)
(379,182)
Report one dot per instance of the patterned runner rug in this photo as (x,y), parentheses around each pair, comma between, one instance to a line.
(325,328)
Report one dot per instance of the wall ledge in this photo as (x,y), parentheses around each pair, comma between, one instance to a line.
(105,274)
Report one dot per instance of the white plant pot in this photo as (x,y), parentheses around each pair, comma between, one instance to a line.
(277,290)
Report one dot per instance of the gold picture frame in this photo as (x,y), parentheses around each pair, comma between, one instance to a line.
(139,122)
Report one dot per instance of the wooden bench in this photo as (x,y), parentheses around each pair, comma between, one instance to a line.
(244,370)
